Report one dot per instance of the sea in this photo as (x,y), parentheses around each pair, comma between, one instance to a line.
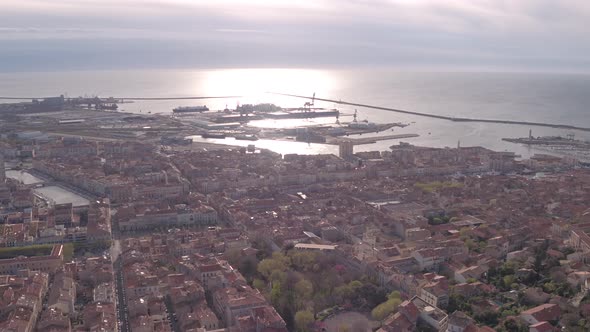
(524,96)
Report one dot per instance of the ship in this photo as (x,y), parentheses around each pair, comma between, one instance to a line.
(190,109)
(213,135)
(310,138)
(246,137)
(112,107)
(302,114)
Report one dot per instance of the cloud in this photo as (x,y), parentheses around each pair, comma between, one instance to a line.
(526,33)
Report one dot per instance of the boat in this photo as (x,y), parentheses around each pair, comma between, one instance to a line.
(213,135)
(302,114)
(310,138)
(246,137)
(112,107)
(190,109)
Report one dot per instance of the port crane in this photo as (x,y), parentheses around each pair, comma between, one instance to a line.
(307,106)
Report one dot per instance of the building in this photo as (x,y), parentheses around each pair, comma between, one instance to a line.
(429,259)
(345,149)
(435,294)
(545,312)
(63,213)
(2,169)
(320,247)
(404,320)
(433,316)
(459,322)
(542,327)
(62,294)
(164,219)
(49,263)
(231,303)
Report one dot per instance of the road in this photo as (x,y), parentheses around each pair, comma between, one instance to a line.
(122,311)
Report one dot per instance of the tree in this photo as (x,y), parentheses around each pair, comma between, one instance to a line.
(304,289)
(355,284)
(458,302)
(248,267)
(278,262)
(508,280)
(343,293)
(394,295)
(275,294)
(233,256)
(303,320)
(488,318)
(302,260)
(259,284)
(385,309)
(288,246)
(511,325)
(373,294)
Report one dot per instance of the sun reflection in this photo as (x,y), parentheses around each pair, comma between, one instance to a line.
(253,84)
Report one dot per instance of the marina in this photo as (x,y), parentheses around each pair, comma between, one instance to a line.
(557,145)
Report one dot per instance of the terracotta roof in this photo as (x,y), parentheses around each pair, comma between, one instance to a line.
(542,327)
(544,312)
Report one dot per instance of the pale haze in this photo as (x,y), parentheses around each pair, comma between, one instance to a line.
(527,35)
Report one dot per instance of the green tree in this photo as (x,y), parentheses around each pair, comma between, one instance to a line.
(385,309)
(511,325)
(508,280)
(355,284)
(488,318)
(458,302)
(259,284)
(275,294)
(394,295)
(303,260)
(343,293)
(303,320)
(304,288)
(269,265)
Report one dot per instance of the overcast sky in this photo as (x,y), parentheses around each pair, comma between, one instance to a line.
(539,35)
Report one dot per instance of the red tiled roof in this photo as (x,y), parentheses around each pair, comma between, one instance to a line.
(542,327)
(544,312)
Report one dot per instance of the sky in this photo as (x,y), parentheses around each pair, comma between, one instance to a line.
(530,35)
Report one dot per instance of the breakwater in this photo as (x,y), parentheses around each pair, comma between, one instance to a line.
(442,117)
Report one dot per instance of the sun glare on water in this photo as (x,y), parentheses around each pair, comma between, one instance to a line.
(254,84)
